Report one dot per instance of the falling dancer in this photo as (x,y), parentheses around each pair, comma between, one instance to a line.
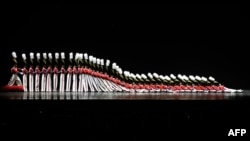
(15,78)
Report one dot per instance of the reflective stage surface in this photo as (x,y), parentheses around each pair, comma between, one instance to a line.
(133,116)
(122,96)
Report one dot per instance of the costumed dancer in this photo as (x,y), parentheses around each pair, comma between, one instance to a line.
(106,80)
(37,78)
(55,78)
(96,74)
(31,73)
(43,82)
(56,72)
(14,78)
(37,71)
(48,83)
(146,82)
(62,74)
(88,75)
(122,82)
(80,71)
(187,83)
(103,77)
(49,74)
(75,73)
(31,79)
(92,77)
(69,76)
(113,78)
(128,86)
(14,70)
(84,73)
(99,75)
(62,79)
(69,73)
(25,76)
(138,87)
(44,73)
(152,82)
(194,83)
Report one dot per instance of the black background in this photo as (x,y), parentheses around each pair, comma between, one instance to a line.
(188,38)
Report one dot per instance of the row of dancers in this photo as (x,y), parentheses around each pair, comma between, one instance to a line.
(83,79)
(88,73)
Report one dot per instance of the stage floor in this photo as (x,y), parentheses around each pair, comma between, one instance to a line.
(122,96)
(155,115)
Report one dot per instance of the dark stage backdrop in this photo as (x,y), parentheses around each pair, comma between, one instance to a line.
(188,38)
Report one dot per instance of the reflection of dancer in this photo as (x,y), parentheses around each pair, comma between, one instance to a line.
(48,84)
(15,78)
(25,82)
(69,75)
(55,78)
(31,79)
(62,79)
(43,83)
(37,78)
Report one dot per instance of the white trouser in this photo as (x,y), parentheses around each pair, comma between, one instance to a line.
(68,83)
(90,82)
(25,83)
(43,83)
(55,82)
(15,78)
(31,82)
(74,85)
(37,83)
(84,82)
(62,81)
(48,84)
(80,85)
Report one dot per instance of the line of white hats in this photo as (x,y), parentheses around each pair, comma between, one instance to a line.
(115,67)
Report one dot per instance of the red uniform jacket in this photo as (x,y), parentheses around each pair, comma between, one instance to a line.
(14,70)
